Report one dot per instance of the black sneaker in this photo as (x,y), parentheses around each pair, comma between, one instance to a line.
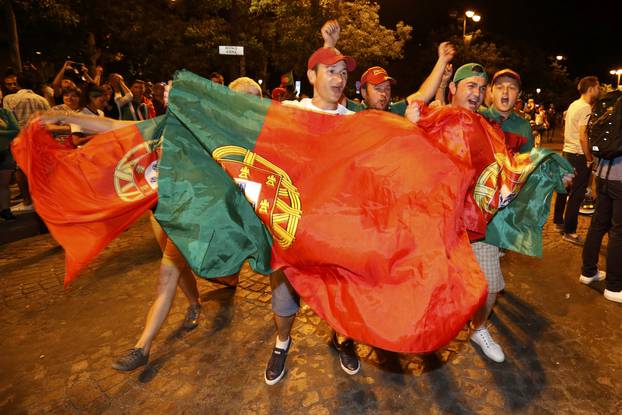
(347,355)
(276,365)
(133,359)
(6,214)
(191,321)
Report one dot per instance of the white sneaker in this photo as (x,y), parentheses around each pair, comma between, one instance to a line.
(22,208)
(613,296)
(599,276)
(491,349)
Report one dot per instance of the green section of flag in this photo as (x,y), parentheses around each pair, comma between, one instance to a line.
(151,129)
(200,207)
(518,227)
(234,118)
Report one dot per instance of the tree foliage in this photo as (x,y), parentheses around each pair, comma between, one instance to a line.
(153,39)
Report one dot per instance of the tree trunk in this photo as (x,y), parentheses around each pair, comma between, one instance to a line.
(11,24)
(234,29)
(91,51)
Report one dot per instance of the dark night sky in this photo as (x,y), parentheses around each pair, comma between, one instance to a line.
(589,36)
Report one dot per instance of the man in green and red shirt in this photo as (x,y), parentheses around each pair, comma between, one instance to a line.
(505,91)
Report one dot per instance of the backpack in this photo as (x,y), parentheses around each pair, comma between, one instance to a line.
(604,128)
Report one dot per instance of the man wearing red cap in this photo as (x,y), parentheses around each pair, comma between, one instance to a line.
(376,91)
(327,70)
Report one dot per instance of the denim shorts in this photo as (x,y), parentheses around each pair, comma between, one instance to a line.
(285,300)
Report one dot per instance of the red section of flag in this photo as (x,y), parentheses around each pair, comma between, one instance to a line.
(87,196)
(381,251)
(473,142)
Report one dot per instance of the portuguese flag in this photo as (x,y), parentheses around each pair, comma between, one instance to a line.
(364,213)
(88,196)
(369,216)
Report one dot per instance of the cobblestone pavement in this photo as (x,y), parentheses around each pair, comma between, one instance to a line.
(562,341)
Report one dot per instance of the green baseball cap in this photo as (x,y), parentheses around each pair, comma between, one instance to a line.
(469,70)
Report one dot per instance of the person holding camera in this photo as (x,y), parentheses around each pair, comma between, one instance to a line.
(71,74)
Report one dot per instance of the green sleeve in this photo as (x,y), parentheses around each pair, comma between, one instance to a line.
(526,148)
(398,107)
(8,128)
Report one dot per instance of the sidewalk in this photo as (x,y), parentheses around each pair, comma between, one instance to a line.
(561,338)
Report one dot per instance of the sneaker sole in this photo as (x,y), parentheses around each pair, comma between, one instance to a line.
(612,298)
(274,381)
(349,371)
(124,369)
(572,241)
(588,280)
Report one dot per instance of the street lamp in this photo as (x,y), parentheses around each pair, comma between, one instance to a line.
(470,14)
(559,57)
(617,72)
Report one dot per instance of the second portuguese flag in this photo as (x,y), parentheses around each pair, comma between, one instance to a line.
(362,212)
(88,196)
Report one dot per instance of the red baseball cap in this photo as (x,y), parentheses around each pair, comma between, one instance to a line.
(376,75)
(330,56)
(506,72)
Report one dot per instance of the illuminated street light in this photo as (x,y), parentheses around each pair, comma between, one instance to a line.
(260,81)
(470,14)
(538,90)
(559,57)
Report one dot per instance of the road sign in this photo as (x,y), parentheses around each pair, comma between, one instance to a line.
(231,50)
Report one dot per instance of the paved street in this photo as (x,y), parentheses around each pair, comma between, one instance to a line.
(562,341)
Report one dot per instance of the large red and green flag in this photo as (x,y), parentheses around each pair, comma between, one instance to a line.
(366,214)
(88,196)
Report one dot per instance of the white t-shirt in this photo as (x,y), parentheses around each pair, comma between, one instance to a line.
(577,116)
(306,104)
(87,111)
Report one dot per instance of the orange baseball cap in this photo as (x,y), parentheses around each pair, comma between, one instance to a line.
(376,75)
